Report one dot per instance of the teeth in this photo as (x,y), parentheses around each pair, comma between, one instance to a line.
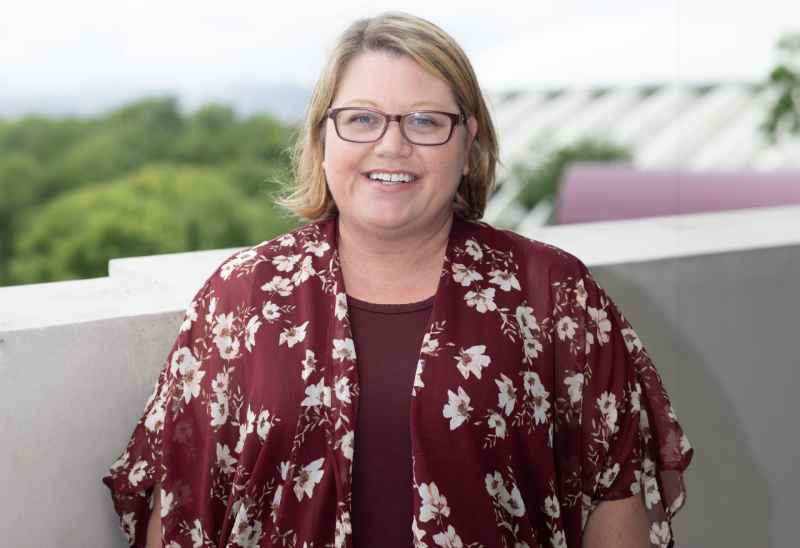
(392,177)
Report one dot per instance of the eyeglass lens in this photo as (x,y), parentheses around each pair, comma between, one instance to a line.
(423,128)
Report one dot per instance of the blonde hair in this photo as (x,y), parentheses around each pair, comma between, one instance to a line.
(308,196)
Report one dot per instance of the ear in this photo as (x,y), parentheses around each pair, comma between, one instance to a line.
(472,130)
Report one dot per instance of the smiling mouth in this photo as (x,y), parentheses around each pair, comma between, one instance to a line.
(391,178)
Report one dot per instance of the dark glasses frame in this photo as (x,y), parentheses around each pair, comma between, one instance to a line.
(455,120)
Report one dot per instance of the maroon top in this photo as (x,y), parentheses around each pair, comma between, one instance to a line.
(387,338)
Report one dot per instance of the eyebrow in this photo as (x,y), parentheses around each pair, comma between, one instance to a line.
(372,104)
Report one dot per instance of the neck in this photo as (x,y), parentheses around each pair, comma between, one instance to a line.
(392,267)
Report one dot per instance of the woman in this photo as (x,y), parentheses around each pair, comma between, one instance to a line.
(536,417)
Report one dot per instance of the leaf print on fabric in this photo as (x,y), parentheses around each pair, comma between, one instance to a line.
(281,286)
(344,350)
(482,300)
(293,335)
(457,410)
(448,539)
(465,275)
(508,394)
(434,506)
(472,360)
(505,280)
(285,263)
(308,476)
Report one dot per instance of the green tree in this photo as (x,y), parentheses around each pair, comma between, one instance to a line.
(783,116)
(541,179)
(160,208)
(19,186)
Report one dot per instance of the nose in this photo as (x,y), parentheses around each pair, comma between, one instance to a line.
(392,144)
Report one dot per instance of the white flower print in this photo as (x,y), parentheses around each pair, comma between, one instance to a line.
(122,462)
(429,345)
(344,350)
(281,286)
(246,536)
(128,525)
(418,534)
(307,478)
(448,539)
(457,410)
(276,503)
(341,305)
(536,389)
(286,240)
(434,506)
(566,328)
(587,507)
(245,427)
(155,419)
(631,339)
(293,335)
(166,502)
(137,473)
(309,365)
(263,425)
(607,404)
(465,275)
(551,507)
(644,426)
(231,351)
(600,318)
(526,319)
(220,384)
(182,360)
(418,378)
(636,485)
(305,272)
(191,316)
(212,306)
(270,311)
(512,502)
(250,333)
(660,535)
(482,300)
(223,330)
(558,540)
(651,493)
(348,445)
(474,249)
(225,461)
(497,422)
(505,280)
(685,445)
(191,381)
(575,384)
(580,294)
(609,475)
(318,394)
(494,484)
(342,389)
(472,360)
(219,411)
(284,470)
(317,248)
(636,398)
(532,347)
(507,396)
(197,534)
(285,263)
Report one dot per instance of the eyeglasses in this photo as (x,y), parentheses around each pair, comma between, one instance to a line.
(421,127)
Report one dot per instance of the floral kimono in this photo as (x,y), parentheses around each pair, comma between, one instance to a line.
(533,400)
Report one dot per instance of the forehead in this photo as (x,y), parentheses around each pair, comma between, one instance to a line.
(392,82)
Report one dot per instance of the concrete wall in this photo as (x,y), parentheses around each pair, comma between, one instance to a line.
(713,297)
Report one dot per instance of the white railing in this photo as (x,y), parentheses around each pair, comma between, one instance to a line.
(714,297)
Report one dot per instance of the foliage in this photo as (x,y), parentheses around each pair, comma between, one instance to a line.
(541,179)
(784,114)
(51,168)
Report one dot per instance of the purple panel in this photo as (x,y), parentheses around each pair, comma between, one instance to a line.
(602,192)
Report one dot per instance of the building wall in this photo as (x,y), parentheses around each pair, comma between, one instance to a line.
(78,361)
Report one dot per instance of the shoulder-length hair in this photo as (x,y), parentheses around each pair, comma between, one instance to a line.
(307,196)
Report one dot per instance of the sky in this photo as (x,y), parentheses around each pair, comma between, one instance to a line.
(54,47)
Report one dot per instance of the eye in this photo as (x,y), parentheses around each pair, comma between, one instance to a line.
(361,119)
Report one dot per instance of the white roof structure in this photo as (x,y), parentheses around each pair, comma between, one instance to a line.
(688,127)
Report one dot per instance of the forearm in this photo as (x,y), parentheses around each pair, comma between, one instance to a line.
(618,524)
(154,525)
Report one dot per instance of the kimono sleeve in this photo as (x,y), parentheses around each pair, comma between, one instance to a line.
(629,437)
(168,420)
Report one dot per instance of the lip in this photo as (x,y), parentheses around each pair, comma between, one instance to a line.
(391,172)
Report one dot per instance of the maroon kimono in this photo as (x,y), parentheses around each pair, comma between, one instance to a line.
(533,400)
